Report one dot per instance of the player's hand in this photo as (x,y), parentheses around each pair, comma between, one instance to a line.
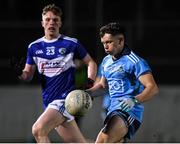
(90,94)
(88,84)
(128,103)
(17,65)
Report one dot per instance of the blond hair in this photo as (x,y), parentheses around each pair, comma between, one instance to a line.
(53,8)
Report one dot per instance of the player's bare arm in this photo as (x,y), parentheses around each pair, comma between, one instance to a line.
(96,90)
(151,88)
(28,72)
(92,67)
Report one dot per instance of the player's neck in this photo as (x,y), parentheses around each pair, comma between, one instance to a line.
(117,55)
(51,37)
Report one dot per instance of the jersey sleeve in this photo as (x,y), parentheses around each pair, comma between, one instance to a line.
(99,73)
(102,66)
(141,67)
(30,59)
(81,52)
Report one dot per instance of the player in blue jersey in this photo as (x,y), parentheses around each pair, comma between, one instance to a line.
(53,55)
(130,83)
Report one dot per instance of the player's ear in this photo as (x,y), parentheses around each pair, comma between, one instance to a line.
(60,23)
(42,23)
(121,39)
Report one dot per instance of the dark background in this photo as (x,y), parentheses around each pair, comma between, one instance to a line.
(152,26)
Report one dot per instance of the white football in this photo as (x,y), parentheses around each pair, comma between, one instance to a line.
(78,102)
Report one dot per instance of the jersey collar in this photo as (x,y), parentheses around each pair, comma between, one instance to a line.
(53,40)
(126,50)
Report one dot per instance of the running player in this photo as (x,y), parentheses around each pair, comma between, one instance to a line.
(130,82)
(53,55)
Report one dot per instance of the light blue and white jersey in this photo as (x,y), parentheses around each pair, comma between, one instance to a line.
(55,63)
(122,78)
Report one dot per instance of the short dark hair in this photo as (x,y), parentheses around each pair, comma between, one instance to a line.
(113,28)
(52,7)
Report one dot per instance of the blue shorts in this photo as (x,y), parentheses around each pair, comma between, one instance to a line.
(131,123)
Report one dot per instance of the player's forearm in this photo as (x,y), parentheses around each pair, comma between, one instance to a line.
(92,70)
(96,90)
(26,76)
(149,92)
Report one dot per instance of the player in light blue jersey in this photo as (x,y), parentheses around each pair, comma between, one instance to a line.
(130,83)
(54,55)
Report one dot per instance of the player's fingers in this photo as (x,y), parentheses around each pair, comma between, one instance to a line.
(123,105)
(126,109)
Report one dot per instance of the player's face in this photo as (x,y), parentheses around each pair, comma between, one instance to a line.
(51,24)
(112,44)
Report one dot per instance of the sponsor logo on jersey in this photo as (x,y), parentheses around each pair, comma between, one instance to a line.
(55,66)
(116,86)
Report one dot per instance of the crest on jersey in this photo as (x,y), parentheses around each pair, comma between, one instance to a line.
(62,51)
(120,69)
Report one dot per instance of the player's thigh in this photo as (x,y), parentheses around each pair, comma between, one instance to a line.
(114,131)
(70,132)
(49,119)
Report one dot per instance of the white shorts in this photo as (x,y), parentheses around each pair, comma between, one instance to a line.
(60,107)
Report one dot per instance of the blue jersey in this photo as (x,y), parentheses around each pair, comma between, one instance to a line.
(122,78)
(55,63)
